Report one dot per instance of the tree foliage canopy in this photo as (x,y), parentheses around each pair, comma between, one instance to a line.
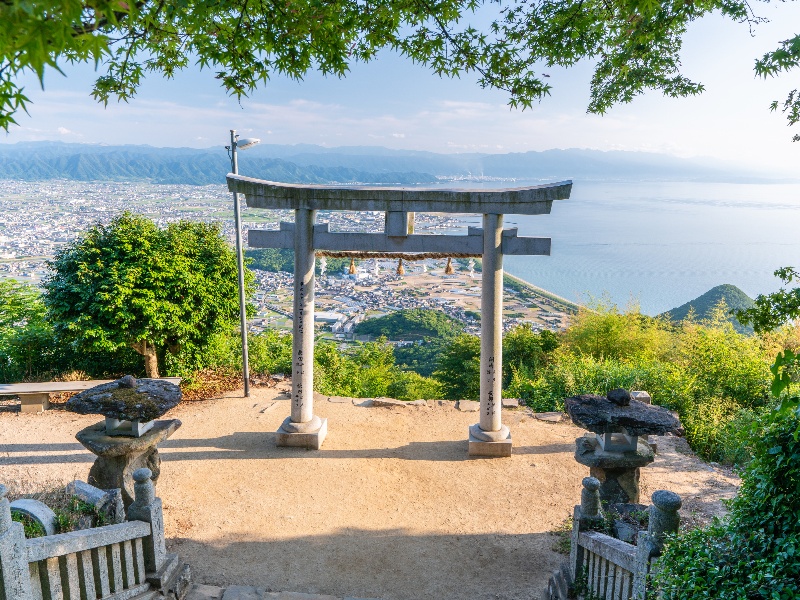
(411,324)
(635,44)
(24,331)
(129,283)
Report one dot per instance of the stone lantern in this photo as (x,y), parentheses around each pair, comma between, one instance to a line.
(617,446)
(127,439)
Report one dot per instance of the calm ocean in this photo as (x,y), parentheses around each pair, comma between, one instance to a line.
(661,244)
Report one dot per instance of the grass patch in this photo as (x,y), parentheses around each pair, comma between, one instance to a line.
(71,512)
(562,534)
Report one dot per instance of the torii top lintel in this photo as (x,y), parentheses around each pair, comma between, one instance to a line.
(535,200)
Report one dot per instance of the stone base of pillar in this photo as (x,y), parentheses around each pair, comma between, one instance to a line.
(311,439)
(479,447)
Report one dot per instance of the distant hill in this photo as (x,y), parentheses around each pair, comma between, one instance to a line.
(305,163)
(734,298)
(411,324)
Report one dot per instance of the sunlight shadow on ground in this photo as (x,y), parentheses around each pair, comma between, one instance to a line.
(347,563)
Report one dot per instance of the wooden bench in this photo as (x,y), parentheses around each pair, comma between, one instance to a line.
(35,397)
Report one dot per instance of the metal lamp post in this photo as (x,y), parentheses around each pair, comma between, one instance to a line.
(237,144)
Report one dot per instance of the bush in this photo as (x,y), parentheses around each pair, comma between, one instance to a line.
(408,385)
(603,332)
(714,377)
(754,553)
(570,374)
(459,367)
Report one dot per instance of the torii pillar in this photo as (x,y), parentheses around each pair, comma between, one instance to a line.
(303,428)
(488,437)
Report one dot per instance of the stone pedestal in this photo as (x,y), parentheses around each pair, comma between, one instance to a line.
(303,435)
(617,472)
(499,449)
(489,443)
(118,457)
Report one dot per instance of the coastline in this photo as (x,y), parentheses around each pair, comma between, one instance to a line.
(568,305)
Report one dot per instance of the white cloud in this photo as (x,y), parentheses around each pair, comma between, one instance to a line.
(65,131)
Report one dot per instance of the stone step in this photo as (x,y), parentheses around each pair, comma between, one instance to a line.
(198,591)
(148,595)
(246,592)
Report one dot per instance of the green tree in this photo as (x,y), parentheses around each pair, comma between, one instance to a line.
(412,324)
(770,311)
(602,331)
(635,44)
(282,259)
(376,368)
(459,367)
(129,283)
(754,552)
(526,350)
(26,338)
(408,385)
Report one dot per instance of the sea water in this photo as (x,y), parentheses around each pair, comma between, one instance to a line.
(659,244)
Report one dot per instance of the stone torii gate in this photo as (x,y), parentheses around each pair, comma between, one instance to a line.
(488,437)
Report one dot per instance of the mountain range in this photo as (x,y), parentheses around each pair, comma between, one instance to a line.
(304,163)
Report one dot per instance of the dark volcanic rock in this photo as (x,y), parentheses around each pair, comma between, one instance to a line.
(619,396)
(600,415)
(127,399)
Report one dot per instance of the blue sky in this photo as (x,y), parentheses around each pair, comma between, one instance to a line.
(396,104)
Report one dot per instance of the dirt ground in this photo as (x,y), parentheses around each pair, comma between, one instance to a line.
(391,507)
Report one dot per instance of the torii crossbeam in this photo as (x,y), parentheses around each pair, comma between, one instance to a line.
(488,437)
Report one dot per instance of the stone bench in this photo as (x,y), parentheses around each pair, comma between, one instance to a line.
(35,397)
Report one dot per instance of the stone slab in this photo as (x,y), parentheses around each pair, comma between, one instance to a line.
(468,406)
(297,596)
(244,592)
(388,403)
(500,449)
(106,502)
(57,387)
(362,403)
(199,591)
(549,417)
(310,441)
(95,439)
(128,399)
(510,402)
(339,400)
(600,415)
(588,452)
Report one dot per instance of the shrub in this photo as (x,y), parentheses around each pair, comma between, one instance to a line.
(754,552)
(603,332)
(458,369)
(408,385)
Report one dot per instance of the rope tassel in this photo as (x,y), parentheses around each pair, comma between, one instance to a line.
(448,270)
(352,266)
(400,269)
